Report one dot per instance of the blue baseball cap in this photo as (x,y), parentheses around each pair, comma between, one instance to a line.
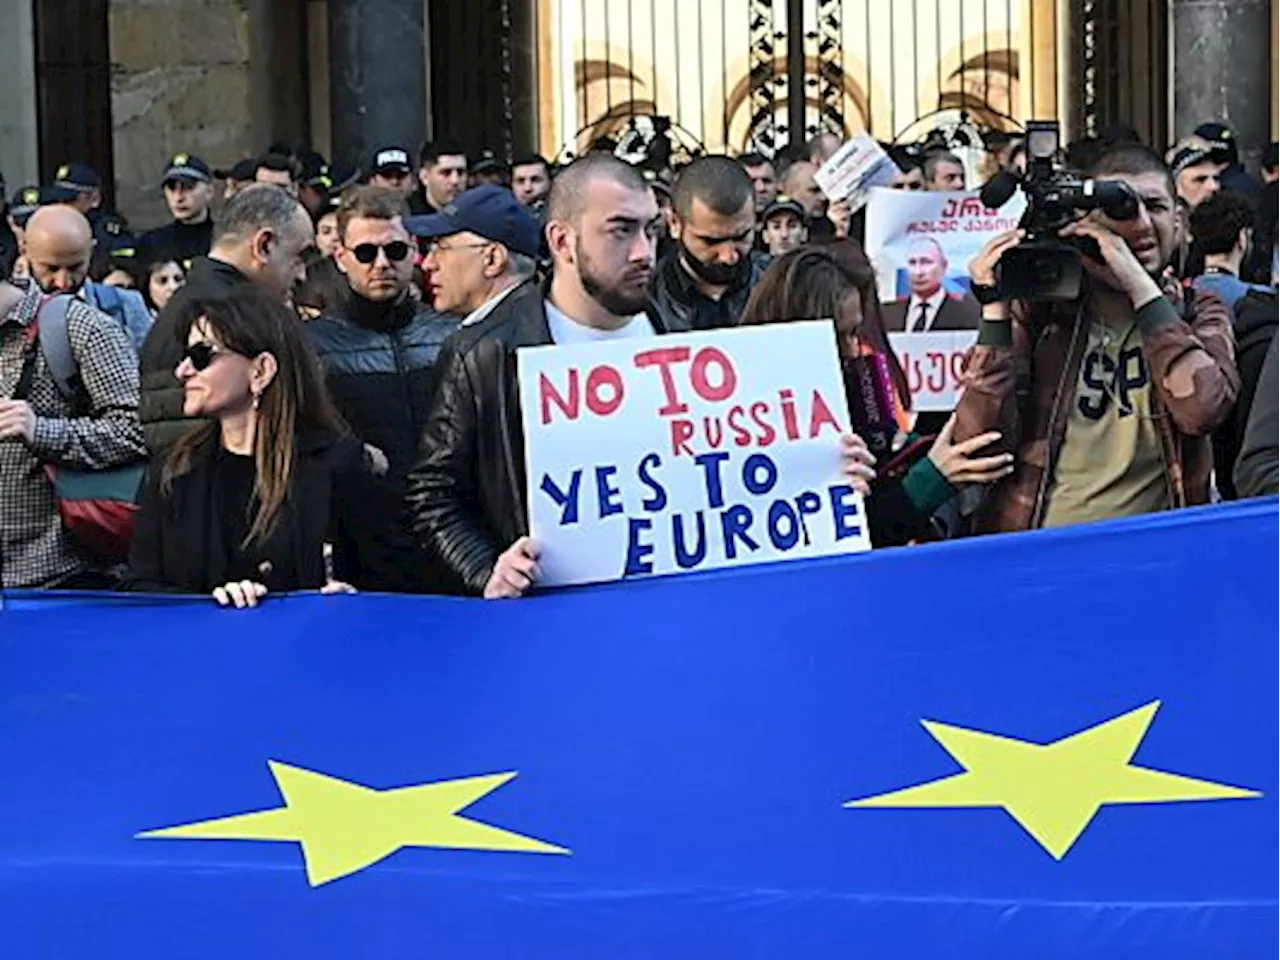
(491,211)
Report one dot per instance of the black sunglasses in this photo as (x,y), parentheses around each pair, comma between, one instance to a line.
(202,355)
(366,253)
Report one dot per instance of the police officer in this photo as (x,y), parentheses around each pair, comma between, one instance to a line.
(80,185)
(26,201)
(188,192)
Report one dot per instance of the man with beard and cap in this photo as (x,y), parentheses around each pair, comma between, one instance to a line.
(466,494)
(705,282)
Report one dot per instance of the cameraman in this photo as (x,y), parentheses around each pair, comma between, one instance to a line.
(1107,401)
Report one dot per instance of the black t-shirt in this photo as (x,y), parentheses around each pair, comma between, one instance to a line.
(177,241)
(233,477)
(419,205)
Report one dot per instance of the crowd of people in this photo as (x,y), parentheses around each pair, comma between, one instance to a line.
(316,388)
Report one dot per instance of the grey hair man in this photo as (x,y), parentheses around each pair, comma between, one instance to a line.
(479,248)
(261,238)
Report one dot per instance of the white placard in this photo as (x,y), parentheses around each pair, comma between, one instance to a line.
(920,244)
(687,452)
(853,170)
(933,363)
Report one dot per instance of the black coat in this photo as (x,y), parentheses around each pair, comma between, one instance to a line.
(178,543)
(467,492)
(677,295)
(955,313)
(160,405)
(380,365)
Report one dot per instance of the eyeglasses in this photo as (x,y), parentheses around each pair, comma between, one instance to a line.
(202,355)
(366,253)
(435,246)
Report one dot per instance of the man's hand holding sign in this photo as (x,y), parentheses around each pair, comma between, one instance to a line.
(704,451)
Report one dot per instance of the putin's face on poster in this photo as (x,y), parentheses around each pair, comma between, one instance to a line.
(926,266)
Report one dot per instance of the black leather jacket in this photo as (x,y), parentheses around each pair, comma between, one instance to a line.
(467,492)
(678,297)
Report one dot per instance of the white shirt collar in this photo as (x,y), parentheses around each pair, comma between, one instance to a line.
(934,301)
(486,308)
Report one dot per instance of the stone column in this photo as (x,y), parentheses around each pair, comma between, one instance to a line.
(377,60)
(19,133)
(1222,69)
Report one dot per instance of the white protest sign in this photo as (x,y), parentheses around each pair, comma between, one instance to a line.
(687,452)
(853,170)
(920,244)
(933,363)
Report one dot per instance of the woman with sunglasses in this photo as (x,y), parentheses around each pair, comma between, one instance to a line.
(915,475)
(243,506)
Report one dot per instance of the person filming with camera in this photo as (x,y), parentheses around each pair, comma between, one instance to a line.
(1106,394)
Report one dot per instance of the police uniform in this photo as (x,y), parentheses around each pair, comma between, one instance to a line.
(183,242)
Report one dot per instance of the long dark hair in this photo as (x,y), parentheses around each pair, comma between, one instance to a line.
(295,403)
(142,277)
(813,283)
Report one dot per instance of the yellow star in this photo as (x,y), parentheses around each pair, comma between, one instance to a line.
(344,827)
(1053,790)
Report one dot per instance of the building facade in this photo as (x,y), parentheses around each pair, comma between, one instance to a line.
(124,83)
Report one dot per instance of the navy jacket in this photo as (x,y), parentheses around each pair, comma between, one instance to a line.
(380,363)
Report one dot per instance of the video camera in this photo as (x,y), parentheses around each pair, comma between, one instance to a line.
(1044,266)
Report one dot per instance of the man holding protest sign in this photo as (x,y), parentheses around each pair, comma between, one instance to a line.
(467,495)
(467,492)
(1107,400)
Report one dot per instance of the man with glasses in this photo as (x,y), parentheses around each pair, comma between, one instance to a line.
(481,247)
(379,353)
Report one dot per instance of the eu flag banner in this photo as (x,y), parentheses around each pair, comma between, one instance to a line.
(1058,744)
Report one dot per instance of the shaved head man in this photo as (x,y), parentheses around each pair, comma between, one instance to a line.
(59,248)
(466,493)
(706,280)
(59,245)
(602,228)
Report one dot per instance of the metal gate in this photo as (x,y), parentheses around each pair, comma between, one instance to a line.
(735,75)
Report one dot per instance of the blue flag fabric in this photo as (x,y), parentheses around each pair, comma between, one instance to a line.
(683,753)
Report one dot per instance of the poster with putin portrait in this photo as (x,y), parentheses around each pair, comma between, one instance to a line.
(920,244)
